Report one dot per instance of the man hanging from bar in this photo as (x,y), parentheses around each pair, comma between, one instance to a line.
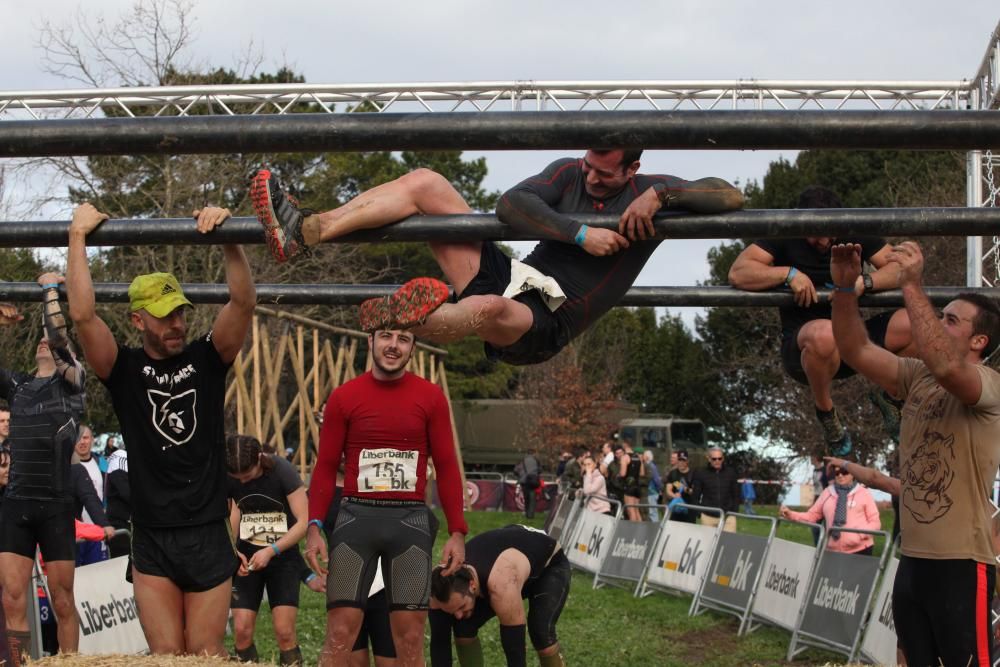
(525,312)
(808,352)
(169,397)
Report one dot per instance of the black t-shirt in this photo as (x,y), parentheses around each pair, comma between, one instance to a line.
(482,551)
(171,413)
(44,416)
(816,265)
(265,513)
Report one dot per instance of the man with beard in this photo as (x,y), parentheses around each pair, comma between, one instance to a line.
(168,396)
(386,425)
(525,312)
(942,594)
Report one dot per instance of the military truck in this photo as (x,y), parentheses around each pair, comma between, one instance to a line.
(663,434)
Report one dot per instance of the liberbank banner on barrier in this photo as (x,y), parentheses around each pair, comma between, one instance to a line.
(590,540)
(839,596)
(109,620)
(734,569)
(630,546)
(879,644)
(784,580)
(680,558)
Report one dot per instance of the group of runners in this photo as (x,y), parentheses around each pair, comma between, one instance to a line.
(386,426)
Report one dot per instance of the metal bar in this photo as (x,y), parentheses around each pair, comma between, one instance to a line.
(314,132)
(755,223)
(352,295)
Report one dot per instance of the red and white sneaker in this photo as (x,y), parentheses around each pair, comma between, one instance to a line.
(407,307)
(279,214)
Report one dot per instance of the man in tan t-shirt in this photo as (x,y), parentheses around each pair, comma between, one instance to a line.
(949,452)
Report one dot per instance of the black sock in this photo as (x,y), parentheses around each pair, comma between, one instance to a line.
(248,654)
(292,657)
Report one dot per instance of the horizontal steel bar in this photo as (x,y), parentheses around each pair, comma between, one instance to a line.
(756,223)
(969,130)
(351,295)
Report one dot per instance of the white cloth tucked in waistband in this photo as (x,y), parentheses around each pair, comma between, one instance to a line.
(524,278)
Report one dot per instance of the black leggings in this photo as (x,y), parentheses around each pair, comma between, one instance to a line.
(941,609)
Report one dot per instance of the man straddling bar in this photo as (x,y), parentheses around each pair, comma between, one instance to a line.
(169,395)
(525,312)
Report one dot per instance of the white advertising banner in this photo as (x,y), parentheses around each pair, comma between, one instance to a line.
(879,644)
(109,619)
(784,582)
(589,544)
(682,556)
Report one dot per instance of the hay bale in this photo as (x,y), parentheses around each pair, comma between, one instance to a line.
(77,660)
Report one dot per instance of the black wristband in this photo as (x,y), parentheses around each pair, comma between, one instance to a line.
(866,280)
(512,641)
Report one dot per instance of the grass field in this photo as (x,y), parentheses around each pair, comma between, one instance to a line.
(608,627)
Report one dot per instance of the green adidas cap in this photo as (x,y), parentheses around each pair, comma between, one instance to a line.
(159,294)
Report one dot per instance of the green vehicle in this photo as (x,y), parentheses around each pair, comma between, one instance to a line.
(663,434)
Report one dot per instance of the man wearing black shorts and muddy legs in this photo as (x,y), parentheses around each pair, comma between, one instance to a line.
(808,352)
(386,425)
(526,311)
(949,452)
(502,568)
(168,396)
(39,507)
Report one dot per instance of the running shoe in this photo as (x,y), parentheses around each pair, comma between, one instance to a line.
(833,428)
(842,447)
(891,410)
(279,214)
(407,307)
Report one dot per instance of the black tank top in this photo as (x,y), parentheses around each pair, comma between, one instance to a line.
(45,414)
(482,551)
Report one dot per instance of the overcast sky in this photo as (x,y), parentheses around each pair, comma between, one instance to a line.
(344,41)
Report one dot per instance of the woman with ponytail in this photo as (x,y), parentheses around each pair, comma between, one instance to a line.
(269,514)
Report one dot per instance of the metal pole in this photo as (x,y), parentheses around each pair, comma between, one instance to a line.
(352,295)
(751,223)
(506,130)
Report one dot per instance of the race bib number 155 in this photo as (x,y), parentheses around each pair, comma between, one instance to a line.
(382,470)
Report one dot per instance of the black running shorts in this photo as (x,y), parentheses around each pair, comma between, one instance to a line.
(791,353)
(546,597)
(941,609)
(194,558)
(401,533)
(50,525)
(543,340)
(375,626)
(281,578)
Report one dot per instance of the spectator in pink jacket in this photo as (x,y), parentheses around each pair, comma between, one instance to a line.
(594,484)
(843,504)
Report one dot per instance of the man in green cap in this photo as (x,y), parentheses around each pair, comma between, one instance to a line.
(169,396)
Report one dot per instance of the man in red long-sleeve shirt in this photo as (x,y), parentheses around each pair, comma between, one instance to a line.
(384,424)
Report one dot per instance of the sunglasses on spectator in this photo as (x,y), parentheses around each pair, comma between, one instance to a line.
(714,458)
(843,471)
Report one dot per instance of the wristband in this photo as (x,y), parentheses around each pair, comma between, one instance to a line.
(312,575)
(868,282)
(51,286)
(792,272)
(277,551)
(838,288)
(581,235)
(317,523)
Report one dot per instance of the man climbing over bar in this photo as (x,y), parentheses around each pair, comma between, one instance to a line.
(525,312)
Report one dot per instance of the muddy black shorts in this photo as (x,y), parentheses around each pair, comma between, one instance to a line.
(375,627)
(49,524)
(791,353)
(194,558)
(543,340)
(281,578)
(401,533)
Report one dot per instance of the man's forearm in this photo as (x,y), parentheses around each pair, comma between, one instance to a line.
(848,328)
(525,211)
(79,285)
(706,195)
(933,344)
(238,277)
